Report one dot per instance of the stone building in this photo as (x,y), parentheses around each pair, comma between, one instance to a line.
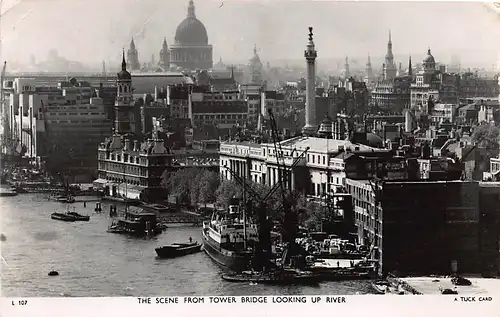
(191,49)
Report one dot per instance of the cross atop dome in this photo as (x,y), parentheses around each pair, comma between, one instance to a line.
(191,13)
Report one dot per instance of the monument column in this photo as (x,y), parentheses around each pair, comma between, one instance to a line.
(310,54)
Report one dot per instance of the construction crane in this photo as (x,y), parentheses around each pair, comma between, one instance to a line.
(5,116)
(290,218)
(262,210)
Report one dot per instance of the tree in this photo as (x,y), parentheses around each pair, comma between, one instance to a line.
(227,190)
(179,183)
(193,185)
(486,136)
(209,182)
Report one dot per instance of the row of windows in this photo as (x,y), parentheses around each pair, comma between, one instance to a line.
(368,221)
(126,158)
(123,169)
(495,167)
(141,182)
(218,116)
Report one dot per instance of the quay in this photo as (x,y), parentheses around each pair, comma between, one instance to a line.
(181,218)
(432,285)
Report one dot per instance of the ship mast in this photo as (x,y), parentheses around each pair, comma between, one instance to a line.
(245,205)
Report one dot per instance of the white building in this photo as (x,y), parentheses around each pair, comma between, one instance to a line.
(319,170)
(70,119)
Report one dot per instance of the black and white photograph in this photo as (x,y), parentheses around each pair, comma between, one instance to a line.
(249,149)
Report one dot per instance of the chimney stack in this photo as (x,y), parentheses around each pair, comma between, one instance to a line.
(127,145)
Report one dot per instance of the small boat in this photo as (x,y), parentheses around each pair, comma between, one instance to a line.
(461,281)
(274,277)
(178,249)
(78,217)
(62,217)
(381,287)
(114,228)
(7,192)
(63,198)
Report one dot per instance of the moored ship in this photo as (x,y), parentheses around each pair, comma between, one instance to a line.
(228,239)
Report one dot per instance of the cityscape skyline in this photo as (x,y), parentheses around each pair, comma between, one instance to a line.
(235,26)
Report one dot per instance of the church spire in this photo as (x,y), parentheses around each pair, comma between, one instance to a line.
(389,45)
(132,45)
(124,63)
(191,13)
(347,72)
(410,70)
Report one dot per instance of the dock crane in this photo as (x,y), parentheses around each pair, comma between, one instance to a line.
(5,113)
(261,214)
(290,216)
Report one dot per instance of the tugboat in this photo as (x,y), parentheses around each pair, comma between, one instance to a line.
(178,249)
(77,216)
(62,217)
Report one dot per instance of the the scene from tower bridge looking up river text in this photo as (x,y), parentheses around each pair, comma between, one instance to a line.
(249,148)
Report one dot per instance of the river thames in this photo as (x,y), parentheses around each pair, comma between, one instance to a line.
(92,262)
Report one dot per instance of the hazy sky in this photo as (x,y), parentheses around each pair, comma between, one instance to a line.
(93,30)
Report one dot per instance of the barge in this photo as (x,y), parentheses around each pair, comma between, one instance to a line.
(178,249)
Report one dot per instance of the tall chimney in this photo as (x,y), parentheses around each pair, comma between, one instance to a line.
(408,121)
(156,93)
(168,94)
(310,54)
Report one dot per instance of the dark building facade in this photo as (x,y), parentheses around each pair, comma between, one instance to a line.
(412,234)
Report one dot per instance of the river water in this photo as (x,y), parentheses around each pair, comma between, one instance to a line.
(92,262)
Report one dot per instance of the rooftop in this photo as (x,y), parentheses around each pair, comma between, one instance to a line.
(325,145)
